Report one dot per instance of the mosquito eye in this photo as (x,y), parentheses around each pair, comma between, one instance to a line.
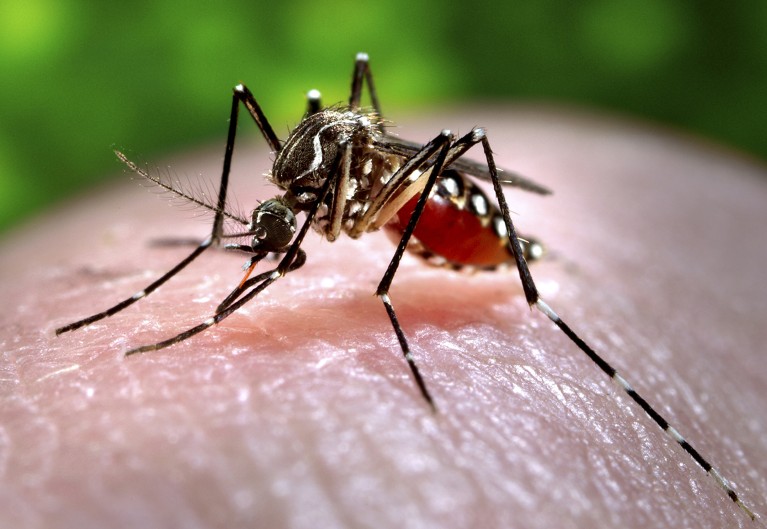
(274,225)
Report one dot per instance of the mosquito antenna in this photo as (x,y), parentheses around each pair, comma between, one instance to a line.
(176,190)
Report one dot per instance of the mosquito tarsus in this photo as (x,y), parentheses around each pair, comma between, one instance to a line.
(342,169)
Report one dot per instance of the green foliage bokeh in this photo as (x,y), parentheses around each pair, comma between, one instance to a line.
(79,77)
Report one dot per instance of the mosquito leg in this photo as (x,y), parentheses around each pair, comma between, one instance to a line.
(443,140)
(313,102)
(400,185)
(173,242)
(243,95)
(248,283)
(140,294)
(294,258)
(362,72)
(245,248)
(265,279)
(533,298)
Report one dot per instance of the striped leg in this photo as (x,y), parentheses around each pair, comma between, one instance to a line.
(648,409)
(440,144)
(533,298)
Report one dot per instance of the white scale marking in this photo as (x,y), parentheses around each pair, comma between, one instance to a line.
(479,204)
(627,387)
(675,434)
(548,311)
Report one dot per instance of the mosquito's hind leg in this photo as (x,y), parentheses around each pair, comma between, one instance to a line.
(441,144)
(534,299)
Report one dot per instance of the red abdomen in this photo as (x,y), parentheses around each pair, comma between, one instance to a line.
(459,225)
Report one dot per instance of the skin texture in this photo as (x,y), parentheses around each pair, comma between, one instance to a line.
(299,411)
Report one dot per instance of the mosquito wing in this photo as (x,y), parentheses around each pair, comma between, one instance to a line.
(480,170)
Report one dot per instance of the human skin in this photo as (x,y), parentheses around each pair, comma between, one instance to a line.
(299,410)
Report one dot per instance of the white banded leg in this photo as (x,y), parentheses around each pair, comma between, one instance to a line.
(533,299)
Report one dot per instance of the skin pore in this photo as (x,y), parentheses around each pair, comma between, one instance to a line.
(299,410)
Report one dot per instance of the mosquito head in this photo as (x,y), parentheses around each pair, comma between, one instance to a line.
(273,225)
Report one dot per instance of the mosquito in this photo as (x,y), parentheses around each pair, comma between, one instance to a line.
(341,168)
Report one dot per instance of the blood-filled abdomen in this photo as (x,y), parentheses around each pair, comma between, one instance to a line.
(458,227)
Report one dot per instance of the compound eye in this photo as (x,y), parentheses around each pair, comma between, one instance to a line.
(273,225)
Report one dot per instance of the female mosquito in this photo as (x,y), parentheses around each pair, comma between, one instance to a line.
(342,169)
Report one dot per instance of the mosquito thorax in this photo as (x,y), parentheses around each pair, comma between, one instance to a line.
(303,163)
(273,225)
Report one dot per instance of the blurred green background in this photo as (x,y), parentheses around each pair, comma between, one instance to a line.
(78,78)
